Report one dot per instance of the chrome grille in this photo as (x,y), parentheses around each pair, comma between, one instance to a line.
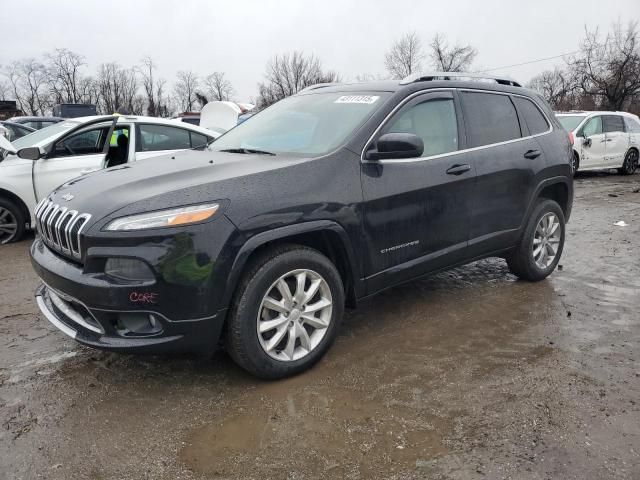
(60,227)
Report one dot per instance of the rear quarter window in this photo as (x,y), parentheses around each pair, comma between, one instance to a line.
(489,118)
(633,126)
(532,115)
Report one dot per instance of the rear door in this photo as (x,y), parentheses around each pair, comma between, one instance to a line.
(617,140)
(153,140)
(416,211)
(507,159)
(593,143)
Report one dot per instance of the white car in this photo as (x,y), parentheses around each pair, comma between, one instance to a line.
(34,165)
(603,140)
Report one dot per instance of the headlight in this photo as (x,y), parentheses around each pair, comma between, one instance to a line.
(165,218)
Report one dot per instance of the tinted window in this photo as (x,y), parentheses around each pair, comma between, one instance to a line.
(532,116)
(489,118)
(161,137)
(34,124)
(198,140)
(613,123)
(592,127)
(633,125)
(434,121)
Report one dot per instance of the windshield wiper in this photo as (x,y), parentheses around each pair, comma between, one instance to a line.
(247,150)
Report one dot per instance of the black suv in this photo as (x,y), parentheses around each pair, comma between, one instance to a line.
(317,202)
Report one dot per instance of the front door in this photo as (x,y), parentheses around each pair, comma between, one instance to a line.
(416,211)
(594,144)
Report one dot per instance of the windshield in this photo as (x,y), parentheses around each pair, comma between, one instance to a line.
(312,125)
(570,122)
(39,136)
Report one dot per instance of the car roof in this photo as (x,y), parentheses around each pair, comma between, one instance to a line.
(28,118)
(151,120)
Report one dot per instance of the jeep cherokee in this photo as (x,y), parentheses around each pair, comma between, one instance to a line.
(317,202)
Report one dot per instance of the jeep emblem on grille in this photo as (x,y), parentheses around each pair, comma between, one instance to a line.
(67,196)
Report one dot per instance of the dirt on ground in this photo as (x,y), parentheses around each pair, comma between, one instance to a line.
(469,374)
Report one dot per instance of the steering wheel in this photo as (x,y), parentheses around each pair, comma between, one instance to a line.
(68,149)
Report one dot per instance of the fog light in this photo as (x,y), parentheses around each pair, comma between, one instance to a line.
(128,269)
(138,324)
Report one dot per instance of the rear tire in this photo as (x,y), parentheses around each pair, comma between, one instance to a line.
(274,330)
(630,163)
(12,222)
(541,244)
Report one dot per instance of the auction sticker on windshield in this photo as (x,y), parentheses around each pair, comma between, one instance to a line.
(367,99)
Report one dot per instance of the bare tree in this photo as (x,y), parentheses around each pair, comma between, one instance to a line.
(185,90)
(405,57)
(289,73)
(217,87)
(446,58)
(118,89)
(27,79)
(65,75)
(5,90)
(153,87)
(608,69)
(557,87)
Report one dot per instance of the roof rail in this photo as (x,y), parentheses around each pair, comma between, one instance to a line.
(317,85)
(432,76)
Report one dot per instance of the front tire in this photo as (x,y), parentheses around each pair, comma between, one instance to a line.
(541,245)
(630,163)
(286,313)
(575,163)
(12,222)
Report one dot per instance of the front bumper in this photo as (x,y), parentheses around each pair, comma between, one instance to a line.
(90,309)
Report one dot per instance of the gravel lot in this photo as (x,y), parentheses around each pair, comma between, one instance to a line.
(469,374)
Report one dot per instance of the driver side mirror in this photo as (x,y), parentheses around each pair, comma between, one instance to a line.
(396,146)
(30,153)
(586,141)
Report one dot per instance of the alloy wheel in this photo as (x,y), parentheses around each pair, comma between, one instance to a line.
(631,162)
(546,240)
(294,315)
(8,225)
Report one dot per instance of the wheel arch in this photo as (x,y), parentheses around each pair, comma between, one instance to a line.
(326,236)
(559,189)
(12,197)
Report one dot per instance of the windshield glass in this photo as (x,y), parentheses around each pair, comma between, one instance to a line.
(570,122)
(313,124)
(39,136)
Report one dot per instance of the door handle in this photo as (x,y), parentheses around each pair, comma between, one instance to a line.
(532,154)
(458,169)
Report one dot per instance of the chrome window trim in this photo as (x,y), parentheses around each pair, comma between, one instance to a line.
(455,152)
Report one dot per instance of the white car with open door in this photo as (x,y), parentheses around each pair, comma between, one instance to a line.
(34,165)
(603,140)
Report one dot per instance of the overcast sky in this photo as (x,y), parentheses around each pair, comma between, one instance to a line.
(239,36)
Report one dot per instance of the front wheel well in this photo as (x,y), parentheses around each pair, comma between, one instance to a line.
(16,200)
(326,242)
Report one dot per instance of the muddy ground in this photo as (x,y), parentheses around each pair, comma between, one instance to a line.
(467,375)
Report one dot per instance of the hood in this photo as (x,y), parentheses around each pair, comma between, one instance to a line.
(164,182)
(5,144)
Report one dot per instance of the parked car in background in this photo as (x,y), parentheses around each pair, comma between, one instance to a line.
(192,119)
(603,140)
(36,122)
(34,165)
(74,110)
(318,201)
(16,130)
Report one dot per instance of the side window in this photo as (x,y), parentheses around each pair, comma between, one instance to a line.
(161,137)
(632,125)
(533,117)
(33,124)
(88,142)
(198,140)
(613,123)
(490,118)
(592,127)
(434,121)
